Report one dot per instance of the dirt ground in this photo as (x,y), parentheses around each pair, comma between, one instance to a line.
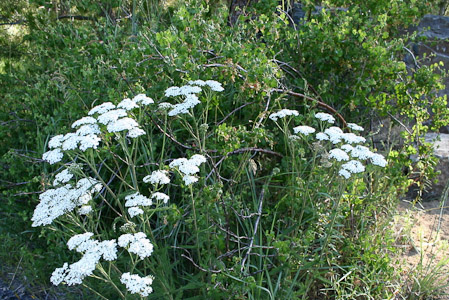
(423,234)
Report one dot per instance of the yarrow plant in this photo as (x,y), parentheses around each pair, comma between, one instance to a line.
(109,136)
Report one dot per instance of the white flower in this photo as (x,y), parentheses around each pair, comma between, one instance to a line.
(71,141)
(88,141)
(197,159)
(88,129)
(344,173)
(305,130)
(111,116)
(321,136)
(172,91)
(189,169)
(160,197)
(183,108)
(137,199)
(137,285)
(58,274)
(189,179)
(188,89)
(157,177)
(84,199)
(214,85)
(62,177)
(294,137)
(351,138)
(165,106)
(108,250)
(335,134)
(59,201)
(53,156)
(325,117)
(78,239)
(102,108)
(353,166)
(138,244)
(135,211)
(198,82)
(135,132)
(283,113)
(348,148)
(361,152)
(378,160)
(85,210)
(143,99)
(56,141)
(338,154)
(178,162)
(83,121)
(127,104)
(355,127)
(122,124)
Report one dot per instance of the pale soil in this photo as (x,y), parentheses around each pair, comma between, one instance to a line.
(423,234)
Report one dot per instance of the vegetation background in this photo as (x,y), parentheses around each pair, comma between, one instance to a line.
(60,58)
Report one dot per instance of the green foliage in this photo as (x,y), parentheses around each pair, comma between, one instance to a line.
(316,237)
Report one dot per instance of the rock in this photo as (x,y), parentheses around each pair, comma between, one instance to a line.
(441,150)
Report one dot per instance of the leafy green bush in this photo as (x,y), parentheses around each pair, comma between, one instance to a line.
(349,60)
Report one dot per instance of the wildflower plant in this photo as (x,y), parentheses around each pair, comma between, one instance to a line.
(114,178)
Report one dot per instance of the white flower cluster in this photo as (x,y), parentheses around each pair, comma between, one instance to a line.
(59,201)
(87,134)
(138,244)
(62,177)
(325,117)
(188,167)
(350,152)
(213,85)
(136,284)
(283,113)
(92,250)
(157,177)
(135,200)
(305,130)
(189,93)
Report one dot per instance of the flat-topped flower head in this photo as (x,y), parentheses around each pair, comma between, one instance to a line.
(351,138)
(53,156)
(127,104)
(88,129)
(137,243)
(305,130)
(111,116)
(122,124)
(355,127)
(62,177)
(83,121)
(353,166)
(338,155)
(321,136)
(378,160)
(335,134)
(160,197)
(135,211)
(136,284)
(157,177)
(325,117)
(56,141)
(137,199)
(283,113)
(182,108)
(101,109)
(142,99)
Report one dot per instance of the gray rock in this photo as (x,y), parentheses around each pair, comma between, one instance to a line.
(441,150)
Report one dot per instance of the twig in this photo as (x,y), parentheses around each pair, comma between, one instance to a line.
(402,124)
(166,134)
(319,103)
(199,267)
(259,211)
(235,110)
